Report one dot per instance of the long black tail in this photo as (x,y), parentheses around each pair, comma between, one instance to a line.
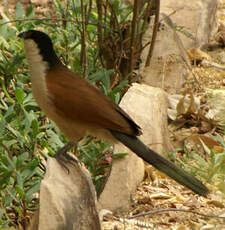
(161,163)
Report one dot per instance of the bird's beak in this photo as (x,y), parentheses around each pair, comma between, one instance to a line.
(24,35)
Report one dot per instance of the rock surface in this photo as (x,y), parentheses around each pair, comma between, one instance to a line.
(67,201)
(197,19)
(148,107)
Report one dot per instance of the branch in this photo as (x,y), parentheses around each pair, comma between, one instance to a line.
(99,7)
(155,30)
(83,40)
(145,20)
(133,35)
(175,210)
(45,19)
(89,12)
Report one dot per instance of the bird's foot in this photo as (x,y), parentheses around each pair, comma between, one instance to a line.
(63,157)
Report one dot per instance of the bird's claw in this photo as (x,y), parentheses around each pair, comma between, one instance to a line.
(63,157)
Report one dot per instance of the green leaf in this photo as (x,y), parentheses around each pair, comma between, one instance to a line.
(30,12)
(32,190)
(20,190)
(12,194)
(19,10)
(35,128)
(7,161)
(119,155)
(19,94)
(54,137)
(9,143)
(200,160)
(15,132)
(100,75)
(4,42)
(3,30)
(21,159)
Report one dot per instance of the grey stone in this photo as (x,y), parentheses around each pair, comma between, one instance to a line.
(148,107)
(67,200)
(198,20)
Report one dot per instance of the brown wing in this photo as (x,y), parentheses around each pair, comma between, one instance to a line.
(78,100)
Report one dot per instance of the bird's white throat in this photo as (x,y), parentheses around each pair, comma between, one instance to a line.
(35,60)
(38,68)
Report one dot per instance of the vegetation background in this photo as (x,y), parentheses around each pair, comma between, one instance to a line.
(101,40)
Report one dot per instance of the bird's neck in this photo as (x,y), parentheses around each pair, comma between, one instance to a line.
(44,60)
(39,68)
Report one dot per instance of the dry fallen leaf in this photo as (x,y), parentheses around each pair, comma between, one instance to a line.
(197,55)
(216,203)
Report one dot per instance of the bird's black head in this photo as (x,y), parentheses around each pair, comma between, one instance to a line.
(44,44)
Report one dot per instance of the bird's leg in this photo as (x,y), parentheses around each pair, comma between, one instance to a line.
(63,157)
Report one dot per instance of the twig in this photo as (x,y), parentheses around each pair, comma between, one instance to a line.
(145,20)
(100,36)
(174,210)
(89,12)
(99,27)
(45,19)
(180,46)
(144,46)
(133,34)
(212,64)
(57,19)
(154,33)
(83,40)
(163,73)
(136,222)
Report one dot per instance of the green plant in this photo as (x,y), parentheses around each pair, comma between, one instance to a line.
(98,49)
(24,135)
(20,181)
(210,167)
(97,156)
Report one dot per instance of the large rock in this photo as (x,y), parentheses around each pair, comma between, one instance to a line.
(148,107)
(198,21)
(197,17)
(67,200)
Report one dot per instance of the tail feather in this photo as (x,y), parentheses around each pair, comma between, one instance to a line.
(162,164)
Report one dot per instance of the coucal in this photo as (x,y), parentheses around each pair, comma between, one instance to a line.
(79,109)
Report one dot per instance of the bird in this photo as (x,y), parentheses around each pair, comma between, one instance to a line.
(78,108)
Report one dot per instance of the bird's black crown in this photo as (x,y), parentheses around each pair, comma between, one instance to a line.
(44,44)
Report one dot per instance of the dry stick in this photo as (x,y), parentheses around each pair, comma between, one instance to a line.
(99,27)
(180,46)
(174,210)
(104,20)
(144,46)
(83,40)
(122,41)
(116,27)
(206,63)
(57,19)
(99,8)
(45,19)
(155,30)
(133,34)
(145,22)
(89,12)
(114,15)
